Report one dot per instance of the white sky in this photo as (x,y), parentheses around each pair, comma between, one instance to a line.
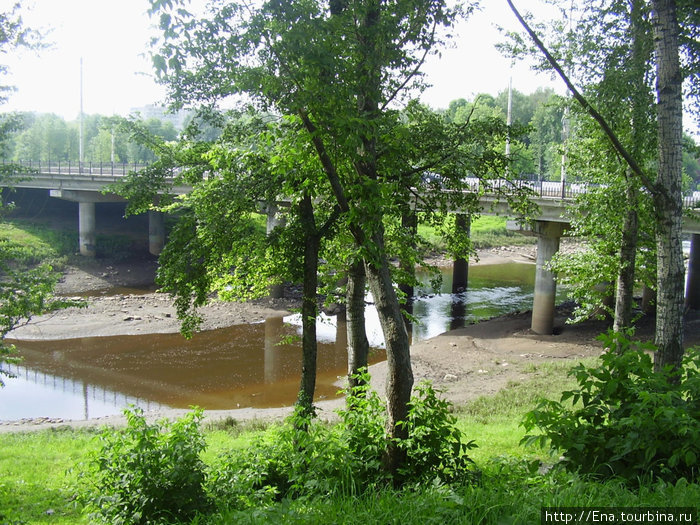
(112,38)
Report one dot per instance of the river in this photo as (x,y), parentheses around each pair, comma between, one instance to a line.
(253,365)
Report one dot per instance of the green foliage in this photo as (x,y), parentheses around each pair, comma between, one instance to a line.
(364,433)
(148,473)
(307,458)
(434,447)
(625,420)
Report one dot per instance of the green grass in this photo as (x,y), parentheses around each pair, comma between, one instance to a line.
(39,473)
(485,232)
(34,244)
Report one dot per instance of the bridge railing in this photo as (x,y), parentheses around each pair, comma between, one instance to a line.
(551,189)
(112,169)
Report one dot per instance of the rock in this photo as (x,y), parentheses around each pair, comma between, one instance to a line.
(449,377)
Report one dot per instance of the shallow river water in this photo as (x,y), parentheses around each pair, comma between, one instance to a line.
(239,366)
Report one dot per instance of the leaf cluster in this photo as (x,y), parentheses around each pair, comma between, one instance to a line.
(625,420)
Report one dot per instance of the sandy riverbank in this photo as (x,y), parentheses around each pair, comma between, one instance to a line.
(468,362)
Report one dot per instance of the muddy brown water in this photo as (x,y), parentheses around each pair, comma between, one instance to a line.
(254,365)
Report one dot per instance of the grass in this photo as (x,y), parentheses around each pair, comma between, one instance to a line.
(485,232)
(34,244)
(39,473)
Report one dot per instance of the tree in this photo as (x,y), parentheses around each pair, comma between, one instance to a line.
(669,80)
(666,189)
(340,72)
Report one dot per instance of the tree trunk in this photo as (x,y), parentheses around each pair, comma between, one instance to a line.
(640,57)
(309,307)
(670,271)
(628,254)
(400,375)
(358,346)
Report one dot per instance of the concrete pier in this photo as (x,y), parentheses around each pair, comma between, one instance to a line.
(86,228)
(548,235)
(275,219)
(156,232)
(692,283)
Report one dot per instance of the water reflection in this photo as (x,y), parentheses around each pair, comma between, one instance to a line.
(242,366)
(245,365)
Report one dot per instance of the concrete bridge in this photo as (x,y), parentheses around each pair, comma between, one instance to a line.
(84,183)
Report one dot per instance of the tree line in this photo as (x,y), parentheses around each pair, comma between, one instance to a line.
(50,138)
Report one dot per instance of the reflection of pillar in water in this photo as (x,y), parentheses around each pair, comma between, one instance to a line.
(458,309)
(460,268)
(85,401)
(273,332)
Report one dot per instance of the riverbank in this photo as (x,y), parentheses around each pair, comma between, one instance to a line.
(466,363)
(137,311)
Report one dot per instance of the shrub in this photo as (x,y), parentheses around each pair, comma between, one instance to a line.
(308,458)
(434,448)
(302,457)
(625,419)
(362,431)
(148,473)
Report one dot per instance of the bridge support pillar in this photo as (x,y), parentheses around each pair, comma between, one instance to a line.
(692,283)
(548,235)
(86,228)
(460,266)
(156,232)
(274,219)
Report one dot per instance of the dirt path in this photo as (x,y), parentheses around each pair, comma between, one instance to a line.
(468,362)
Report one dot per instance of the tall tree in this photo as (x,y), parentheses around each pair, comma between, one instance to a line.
(668,197)
(340,70)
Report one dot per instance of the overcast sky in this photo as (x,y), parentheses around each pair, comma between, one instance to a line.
(112,38)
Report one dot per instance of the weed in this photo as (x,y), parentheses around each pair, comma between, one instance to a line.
(627,420)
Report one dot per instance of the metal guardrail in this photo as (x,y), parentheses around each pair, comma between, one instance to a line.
(112,169)
(546,189)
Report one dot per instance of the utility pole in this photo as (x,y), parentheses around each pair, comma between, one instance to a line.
(80,119)
(509,116)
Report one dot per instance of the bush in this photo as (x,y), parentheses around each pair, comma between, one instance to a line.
(307,458)
(626,420)
(148,473)
(434,447)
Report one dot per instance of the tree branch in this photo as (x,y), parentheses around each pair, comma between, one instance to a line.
(646,180)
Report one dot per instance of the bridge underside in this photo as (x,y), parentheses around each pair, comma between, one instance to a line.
(86,220)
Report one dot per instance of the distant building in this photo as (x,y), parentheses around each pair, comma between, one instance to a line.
(178,118)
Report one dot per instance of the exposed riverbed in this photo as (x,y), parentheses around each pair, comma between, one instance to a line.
(467,362)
